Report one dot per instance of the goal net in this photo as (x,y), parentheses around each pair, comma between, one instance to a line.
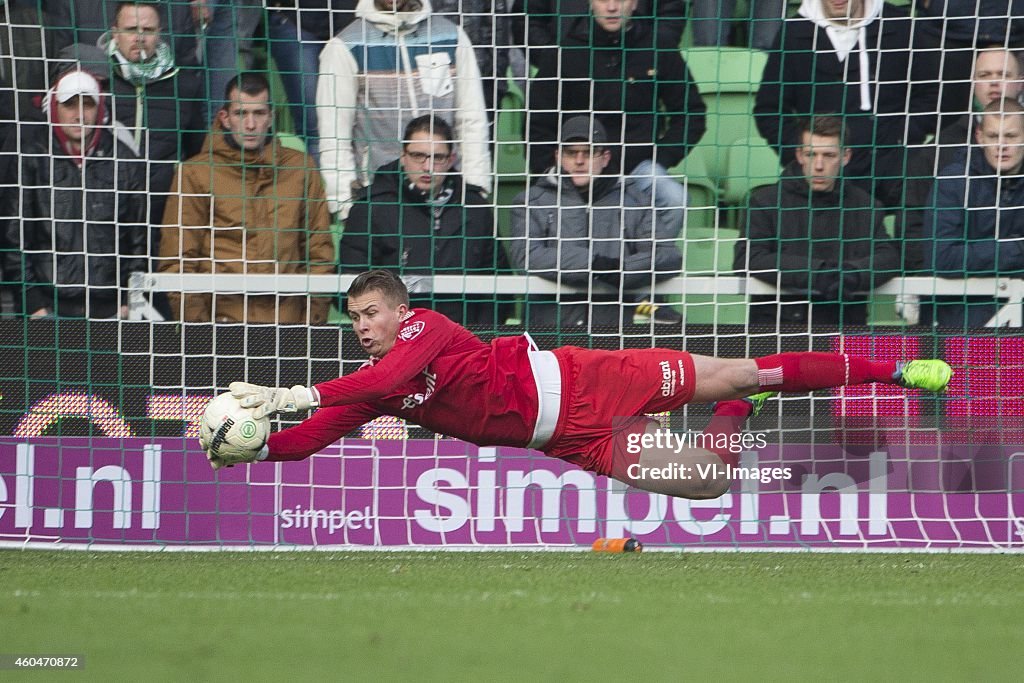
(106,365)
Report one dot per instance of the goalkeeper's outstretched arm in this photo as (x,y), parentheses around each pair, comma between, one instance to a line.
(321,429)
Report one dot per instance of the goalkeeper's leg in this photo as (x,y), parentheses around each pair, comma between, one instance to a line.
(682,468)
(701,472)
(721,379)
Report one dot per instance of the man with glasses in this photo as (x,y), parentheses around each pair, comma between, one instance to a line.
(420,217)
(581,227)
(397,60)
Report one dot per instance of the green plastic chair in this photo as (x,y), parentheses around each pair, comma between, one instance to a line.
(707,252)
(751,164)
(702,191)
(510,149)
(728,79)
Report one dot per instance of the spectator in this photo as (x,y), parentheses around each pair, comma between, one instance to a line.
(976,220)
(491,26)
(420,217)
(396,62)
(160,104)
(79,222)
(228,27)
(816,237)
(23,53)
(549,23)
(23,57)
(998,74)
(298,31)
(72,22)
(645,97)
(956,29)
(246,204)
(861,63)
(713,22)
(576,226)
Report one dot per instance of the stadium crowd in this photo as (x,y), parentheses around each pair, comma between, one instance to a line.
(322,136)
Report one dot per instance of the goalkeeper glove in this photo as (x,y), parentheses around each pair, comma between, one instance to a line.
(269,400)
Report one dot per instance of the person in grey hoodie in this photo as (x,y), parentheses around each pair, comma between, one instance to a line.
(578,227)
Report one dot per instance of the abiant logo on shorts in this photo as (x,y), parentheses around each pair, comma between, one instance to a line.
(668,378)
(413,400)
(410,332)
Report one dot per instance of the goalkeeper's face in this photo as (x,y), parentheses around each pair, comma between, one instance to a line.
(376,320)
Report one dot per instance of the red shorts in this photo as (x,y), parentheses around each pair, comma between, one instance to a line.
(605,395)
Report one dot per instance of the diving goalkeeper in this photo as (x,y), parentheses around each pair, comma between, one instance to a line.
(583,406)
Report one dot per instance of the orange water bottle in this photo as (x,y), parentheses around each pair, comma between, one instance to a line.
(617,545)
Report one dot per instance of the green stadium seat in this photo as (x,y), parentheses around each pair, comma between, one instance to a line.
(510,150)
(291,141)
(728,78)
(751,164)
(706,252)
(702,191)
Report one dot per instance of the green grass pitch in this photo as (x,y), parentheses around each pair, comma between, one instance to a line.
(522,616)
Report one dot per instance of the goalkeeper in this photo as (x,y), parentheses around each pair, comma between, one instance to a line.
(583,406)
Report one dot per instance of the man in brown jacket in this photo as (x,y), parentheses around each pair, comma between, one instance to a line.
(245,204)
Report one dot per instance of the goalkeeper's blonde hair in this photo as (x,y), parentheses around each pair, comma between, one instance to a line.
(383,281)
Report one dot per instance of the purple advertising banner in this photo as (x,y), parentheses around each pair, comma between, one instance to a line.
(424,493)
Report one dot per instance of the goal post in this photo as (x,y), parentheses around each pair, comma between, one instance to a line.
(99,405)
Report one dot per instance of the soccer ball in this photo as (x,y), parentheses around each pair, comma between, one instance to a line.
(229,431)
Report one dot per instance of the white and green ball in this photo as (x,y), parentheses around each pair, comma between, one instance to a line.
(227,425)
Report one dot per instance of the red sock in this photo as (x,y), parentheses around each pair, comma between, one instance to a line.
(808,371)
(728,420)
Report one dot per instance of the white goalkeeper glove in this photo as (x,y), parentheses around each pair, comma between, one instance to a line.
(269,400)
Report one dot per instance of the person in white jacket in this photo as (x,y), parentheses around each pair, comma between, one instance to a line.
(395,62)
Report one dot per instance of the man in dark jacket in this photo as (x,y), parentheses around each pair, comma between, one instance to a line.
(977,219)
(863,65)
(23,53)
(80,222)
(956,28)
(418,217)
(159,104)
(816,237)
(85,21)
(611,65)
(997,75)
(549,22)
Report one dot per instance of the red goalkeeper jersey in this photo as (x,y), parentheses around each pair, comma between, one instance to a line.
(438,375)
